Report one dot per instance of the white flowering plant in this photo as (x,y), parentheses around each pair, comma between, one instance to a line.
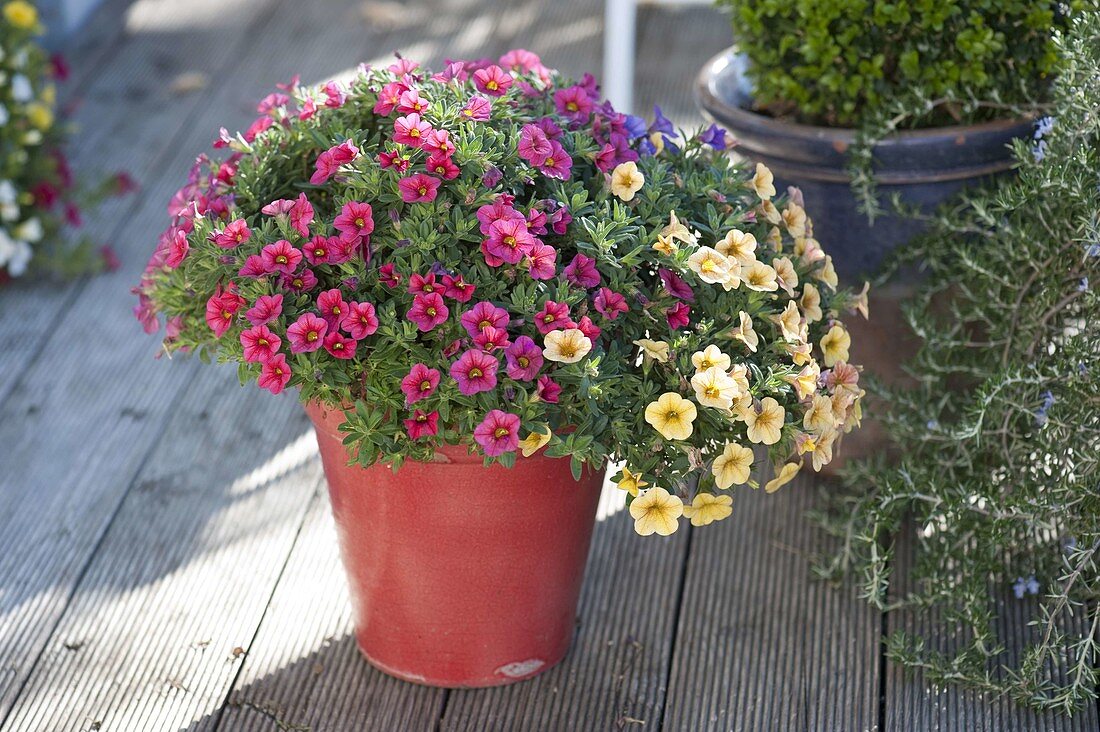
(40,202)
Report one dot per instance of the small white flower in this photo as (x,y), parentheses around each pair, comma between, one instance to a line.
(9,211)
(30,230)
(4,116)
(7,192)
(17,265)
(21,89)
(7,247)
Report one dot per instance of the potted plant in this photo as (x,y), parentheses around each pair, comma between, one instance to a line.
(39,199)
(484,285)
(913,99)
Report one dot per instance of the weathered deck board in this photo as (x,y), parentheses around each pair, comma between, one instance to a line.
(912,701)
(761,645)
(185,572)
(304,667)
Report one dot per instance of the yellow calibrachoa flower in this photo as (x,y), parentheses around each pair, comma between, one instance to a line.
(665,246)
(859,302)
(657,350)
(738,245)
(834,345)
(811,303)
(40,116)
(785,274)
(656,512)
(805,381)
(626,180)
(745,332)
(786,475)
(819,417)
(765,423)
(533,443)
(21,14)
(706,508)
(676,230)
(710,264)
(48,95)
(763,182)
(672,416)
(790,323)
(566,346)
(794,216)
(760,277)
(822,452)
(631,482)
(733,466)
(804,443)
(808,250)
(710,356)
(771,213)
(714,388)
(740,375)
(799,353)
(827,274)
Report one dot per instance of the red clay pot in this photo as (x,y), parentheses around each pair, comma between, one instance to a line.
(460,575)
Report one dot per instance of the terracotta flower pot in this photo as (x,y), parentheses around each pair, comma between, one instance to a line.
(460,575)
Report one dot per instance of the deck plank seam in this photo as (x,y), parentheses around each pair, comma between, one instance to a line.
(681,589)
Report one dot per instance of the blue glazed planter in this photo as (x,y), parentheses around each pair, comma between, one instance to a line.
(925,167)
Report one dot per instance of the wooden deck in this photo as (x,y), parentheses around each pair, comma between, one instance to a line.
(167,559)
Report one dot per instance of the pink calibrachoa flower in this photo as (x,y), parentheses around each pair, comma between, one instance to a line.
(301,214)
(234,234)
(457,288)
(253,267)
(521,60)
(309,108)
(443,167)
(275,374)
(498,433)
(491,339)
(278,207)
(280,257)
(397,160)
(332,307)
(303,281)
(483,315)
(410,130)
(574,103)
(553,316)
(548,390)
(557,164)
(307,333)
(329,162)
(509,239)
(418,188)
(492,80)
(536,221)
(419,383)
(340,346)
(259,344)
(590,329)
(336,96)
(221,311)
(389,98)
(498,210)
(438,144)
(678,316)
(389,276)
(582,272)
(542,262)
(475,371)
(423,283)
(361,320)
(410,101)
(266,309)
(428,310)
(477,109)
(534,146)
(319,250)
(675,285)
(356,220)
(422,424)
(257,128)
(177,249)
(524,359)
(610,304)
(403,66)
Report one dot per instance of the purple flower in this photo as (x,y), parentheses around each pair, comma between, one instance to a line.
(675,286)
(524,359)
(582,272)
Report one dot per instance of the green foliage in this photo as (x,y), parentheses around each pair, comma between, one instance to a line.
(834,62)
(1000,474)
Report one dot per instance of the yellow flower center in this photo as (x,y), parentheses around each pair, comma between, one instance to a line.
(312,336)
(523,361)
(281,259)
(425,385)
(475,373)
(492,86)
(431,312)
(500,432)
